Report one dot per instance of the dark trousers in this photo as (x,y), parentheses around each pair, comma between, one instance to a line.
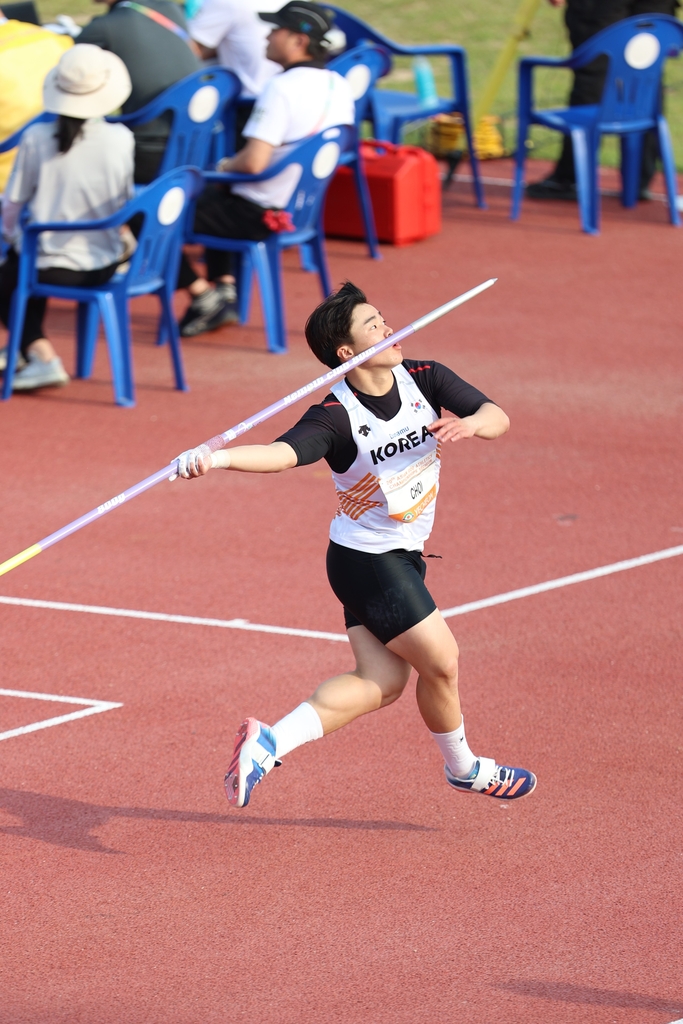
(584,18)
(225,215)
(35,308)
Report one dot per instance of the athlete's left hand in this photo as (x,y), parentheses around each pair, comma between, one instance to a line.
(489,422)
(452,428)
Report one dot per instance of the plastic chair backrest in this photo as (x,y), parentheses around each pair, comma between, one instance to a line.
(637,48)
(15,138)
(317,159)
(196,103)
(361,67)
(356,30)
(163,204)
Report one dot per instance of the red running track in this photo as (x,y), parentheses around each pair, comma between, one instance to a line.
(357,887)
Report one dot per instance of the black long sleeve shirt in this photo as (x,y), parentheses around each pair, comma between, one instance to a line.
(324,431)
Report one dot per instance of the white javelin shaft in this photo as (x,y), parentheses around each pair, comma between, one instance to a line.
(214,444)
(220,440)
(428,318)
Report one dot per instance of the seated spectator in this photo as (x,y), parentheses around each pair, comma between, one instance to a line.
(77,168)
(27,53)
(302,101)
(151,40)
(232,31)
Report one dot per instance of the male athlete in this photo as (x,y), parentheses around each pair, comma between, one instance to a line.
(381,433)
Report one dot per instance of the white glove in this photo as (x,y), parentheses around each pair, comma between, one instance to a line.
(188,462)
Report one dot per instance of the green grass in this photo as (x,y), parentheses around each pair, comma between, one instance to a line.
(81,10)
(481,26)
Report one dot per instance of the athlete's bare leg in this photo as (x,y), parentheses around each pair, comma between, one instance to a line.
(431,649)
(379,679)
(382,672)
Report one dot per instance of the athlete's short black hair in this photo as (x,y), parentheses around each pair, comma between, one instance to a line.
(329,325)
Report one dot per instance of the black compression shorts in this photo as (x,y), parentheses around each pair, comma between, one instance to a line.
(385,593)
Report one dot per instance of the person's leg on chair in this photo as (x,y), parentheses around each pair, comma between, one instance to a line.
(213,302)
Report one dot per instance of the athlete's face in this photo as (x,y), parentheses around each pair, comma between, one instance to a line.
(367,328)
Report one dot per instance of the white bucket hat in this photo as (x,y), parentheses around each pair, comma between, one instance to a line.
(87,82)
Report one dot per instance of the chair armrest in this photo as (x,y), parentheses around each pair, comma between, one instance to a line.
(456,55)
(525,87)
(116,219)
(424,50)
(546,62)
(11,141)
(150,112)
(125,118)
(14,139)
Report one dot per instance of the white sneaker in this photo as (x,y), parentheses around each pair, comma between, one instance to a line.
(37,374)
(20,363)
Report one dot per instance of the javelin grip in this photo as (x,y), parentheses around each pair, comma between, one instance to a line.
(219,441)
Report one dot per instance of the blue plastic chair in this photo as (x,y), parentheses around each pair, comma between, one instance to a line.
(13,140)
(392,109)
(197,103)
(361,67)
(153,269)
(318,158)
(630,106)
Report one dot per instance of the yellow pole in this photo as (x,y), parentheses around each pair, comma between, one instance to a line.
(523,18)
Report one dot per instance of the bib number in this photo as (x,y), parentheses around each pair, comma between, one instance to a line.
(409,492)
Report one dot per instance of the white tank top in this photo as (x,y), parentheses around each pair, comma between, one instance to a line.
(387,498)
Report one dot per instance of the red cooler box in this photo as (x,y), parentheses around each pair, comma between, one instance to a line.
(405,188)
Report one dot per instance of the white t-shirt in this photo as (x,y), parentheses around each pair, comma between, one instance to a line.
(298,103)
(92,181)
(235,31)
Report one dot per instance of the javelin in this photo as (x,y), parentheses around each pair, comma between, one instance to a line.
(220,440)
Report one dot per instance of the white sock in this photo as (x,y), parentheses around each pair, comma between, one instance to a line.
(300,726)
(456,752)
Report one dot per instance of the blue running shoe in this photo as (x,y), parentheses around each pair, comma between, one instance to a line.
(253,757)
(493,779)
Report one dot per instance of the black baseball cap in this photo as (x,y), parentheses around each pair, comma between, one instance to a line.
(299,16)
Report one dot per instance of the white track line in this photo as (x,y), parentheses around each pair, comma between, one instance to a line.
(313,634)
(186,620)
(657,197)
(564,581)
(93,707)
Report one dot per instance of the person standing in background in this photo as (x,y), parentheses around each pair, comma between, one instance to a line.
(157,51)
(232,32)
(585,18)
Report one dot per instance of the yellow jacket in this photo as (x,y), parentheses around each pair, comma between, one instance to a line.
(27,53)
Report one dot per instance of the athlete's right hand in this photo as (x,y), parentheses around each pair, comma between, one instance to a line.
(196,462)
